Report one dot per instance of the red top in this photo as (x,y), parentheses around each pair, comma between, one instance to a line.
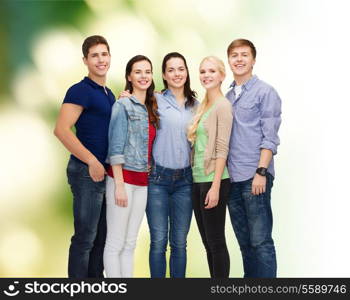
(138,178)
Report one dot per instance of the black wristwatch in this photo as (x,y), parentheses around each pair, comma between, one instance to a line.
(261,171)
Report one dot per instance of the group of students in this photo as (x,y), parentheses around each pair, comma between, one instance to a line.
(166,155)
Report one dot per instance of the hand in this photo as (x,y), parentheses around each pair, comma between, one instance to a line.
(121,198)
(96,170)
(212,198)
(125,94)
(258,184)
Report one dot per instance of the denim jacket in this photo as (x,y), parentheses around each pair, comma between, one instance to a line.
(128,135)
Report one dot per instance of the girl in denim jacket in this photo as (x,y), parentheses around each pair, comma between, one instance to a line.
(169,203)
(131,133)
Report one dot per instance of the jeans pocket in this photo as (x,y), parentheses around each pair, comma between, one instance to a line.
(255,204)
(85,172)
(188,178)
(74,166)
(151,178)
(100,187)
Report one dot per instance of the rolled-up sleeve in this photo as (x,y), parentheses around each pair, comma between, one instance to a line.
(224,123)
(270,120)
(117,135)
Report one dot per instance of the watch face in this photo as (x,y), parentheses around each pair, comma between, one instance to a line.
(261,171)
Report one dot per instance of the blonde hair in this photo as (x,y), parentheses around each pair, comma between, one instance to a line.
(191,133)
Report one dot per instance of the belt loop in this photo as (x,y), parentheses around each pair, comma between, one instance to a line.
(153,163)
(160,170)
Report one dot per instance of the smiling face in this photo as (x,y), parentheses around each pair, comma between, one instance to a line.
(141,75)
(241,61)
(98,61)
(210,75)
(175,73)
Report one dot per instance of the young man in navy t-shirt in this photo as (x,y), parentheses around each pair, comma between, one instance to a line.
(87,106)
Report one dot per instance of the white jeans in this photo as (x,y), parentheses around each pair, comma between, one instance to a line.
(123,224)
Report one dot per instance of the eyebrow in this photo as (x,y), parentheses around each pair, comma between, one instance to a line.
(141,70)
(95,53)
(171,68)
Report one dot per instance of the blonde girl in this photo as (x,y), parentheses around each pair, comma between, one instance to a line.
(210,135)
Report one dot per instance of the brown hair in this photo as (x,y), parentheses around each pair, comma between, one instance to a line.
(240,43)
(92,41)
(188,93)
(150,102)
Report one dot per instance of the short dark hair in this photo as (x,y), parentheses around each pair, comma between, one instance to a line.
(240,43)
(92,41)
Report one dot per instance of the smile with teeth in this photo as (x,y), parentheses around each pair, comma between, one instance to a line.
(143,82)
(101,67)
(205,81)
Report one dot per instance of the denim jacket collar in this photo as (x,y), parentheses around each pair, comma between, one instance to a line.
(136,101)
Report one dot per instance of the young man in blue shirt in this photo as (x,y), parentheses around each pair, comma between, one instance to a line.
(87,106)
(254,140)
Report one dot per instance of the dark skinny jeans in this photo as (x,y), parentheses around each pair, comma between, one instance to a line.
(211,225)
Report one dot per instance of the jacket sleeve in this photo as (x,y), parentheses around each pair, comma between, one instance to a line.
(117,135)
(270,118)
(224,126)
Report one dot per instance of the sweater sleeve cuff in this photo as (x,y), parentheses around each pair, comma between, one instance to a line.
(222,155)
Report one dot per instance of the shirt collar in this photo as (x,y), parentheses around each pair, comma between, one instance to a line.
(168,94)
(136,101)
(247,85)
(93,83)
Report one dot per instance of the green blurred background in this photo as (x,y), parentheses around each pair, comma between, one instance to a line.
(302,51)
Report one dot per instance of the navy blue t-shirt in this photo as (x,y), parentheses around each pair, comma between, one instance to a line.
(92,125)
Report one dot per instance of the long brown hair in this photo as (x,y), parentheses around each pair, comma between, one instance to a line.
(150,102)
(190,95)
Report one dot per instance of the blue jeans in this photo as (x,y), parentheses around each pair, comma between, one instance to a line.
(169,204)
(89,211)
(251,218)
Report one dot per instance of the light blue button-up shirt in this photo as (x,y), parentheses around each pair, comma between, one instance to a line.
(171,149)
(256,120)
